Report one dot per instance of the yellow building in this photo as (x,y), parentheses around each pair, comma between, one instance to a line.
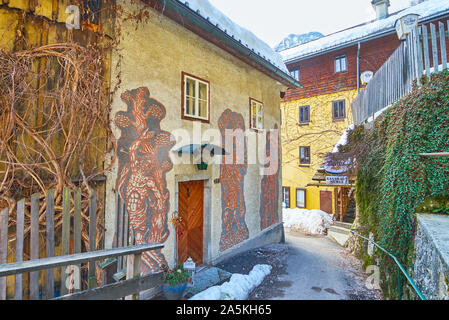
(305,141)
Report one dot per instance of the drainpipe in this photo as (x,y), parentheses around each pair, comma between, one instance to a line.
(358,67)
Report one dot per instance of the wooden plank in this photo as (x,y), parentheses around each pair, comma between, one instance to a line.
(77,236)
(34,245)
(433,34)
(50,242)
(439,154)
(443,45)
(426,50)
(20,227)
(133,271)
(420,54)
(125,235)
(65,271)
(4,215)
(120,289)
(86,257)
(92,279)
(121,210)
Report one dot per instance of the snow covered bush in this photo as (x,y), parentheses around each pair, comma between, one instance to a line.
(313,222)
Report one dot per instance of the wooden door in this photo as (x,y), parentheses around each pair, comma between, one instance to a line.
(190,232)
(326,201)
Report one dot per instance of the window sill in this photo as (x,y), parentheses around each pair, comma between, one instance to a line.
(304,165)
(303,124)
(195,119)
(339,120)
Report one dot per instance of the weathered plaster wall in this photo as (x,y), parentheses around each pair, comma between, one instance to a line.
(154,55)
(321,134)
(432,256)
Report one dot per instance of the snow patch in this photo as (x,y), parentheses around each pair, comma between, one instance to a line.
(314,222)
(343,139)
(206,10)
(238,287)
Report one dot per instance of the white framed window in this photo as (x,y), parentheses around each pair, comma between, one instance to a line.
(196,96)
(341,64)
(256,114)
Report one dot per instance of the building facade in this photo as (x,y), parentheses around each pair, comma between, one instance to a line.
(181,88)
(332,70)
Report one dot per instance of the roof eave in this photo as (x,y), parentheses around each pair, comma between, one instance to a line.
(213,30)
(361,40)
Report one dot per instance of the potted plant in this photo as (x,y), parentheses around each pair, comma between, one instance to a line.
(175,283)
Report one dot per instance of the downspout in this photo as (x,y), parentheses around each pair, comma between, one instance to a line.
(358,67)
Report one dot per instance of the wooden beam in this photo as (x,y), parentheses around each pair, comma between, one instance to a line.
(74,259)
(34,244)
(20,228)
(118,290)
(330,185)
(440,154)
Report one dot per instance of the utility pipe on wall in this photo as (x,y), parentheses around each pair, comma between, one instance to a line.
(358,67)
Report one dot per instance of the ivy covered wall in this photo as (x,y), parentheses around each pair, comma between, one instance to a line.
(393,180)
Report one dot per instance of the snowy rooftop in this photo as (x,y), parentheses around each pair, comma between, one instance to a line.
(246,37)
(424,10)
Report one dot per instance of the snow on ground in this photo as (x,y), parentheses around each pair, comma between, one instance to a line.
(239,286)
(314,222)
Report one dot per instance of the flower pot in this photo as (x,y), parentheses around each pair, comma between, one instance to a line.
(174,293)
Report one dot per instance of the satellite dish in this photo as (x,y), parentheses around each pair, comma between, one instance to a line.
(366,76)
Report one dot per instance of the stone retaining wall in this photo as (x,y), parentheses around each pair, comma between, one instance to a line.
(432,256)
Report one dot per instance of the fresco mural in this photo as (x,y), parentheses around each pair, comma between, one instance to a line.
(232,177)
(143,155)
(269,193)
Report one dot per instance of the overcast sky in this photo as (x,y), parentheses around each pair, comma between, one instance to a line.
(273,20)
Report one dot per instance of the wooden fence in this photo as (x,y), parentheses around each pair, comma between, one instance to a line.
(422,53)
(114,270)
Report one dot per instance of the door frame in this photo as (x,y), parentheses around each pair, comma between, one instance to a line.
(207,204)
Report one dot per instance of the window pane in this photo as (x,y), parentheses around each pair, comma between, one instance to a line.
(343,64)
(190,106)
(203,108)
(301,114)
(335,109)
(337,65)
(190,87)
(203,91)
(301,198)
(342,109)
(307,114)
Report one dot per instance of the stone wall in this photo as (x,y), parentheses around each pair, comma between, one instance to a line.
(432,256)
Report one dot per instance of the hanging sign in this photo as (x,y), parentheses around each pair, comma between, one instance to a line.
(333,180)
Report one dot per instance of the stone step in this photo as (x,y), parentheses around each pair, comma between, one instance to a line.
(341,230)
(342,224)
(339,238)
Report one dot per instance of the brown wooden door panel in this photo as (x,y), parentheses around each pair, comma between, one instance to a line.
(326,201)
(190,234)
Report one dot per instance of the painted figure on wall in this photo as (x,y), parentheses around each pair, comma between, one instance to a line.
(269,193)
(143,154)
(232,178)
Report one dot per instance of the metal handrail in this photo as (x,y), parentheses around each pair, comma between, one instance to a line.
(410,280)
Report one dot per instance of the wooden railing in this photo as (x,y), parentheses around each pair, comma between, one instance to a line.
(128,288)
(421,53)
(33,241)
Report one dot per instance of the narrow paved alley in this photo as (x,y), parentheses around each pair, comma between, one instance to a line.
(319,269)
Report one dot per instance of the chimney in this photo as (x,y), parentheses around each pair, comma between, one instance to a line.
(381,7)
